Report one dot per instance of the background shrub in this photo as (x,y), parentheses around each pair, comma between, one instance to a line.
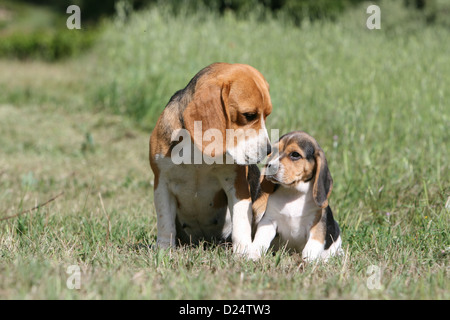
(46,44)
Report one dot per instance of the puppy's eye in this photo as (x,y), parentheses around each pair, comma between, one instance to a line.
(295,155)
(250,116)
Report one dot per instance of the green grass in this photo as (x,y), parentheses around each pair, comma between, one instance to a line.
(376,101)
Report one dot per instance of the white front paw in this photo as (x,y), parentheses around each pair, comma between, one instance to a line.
(312,250)
(254,253)
(241,249)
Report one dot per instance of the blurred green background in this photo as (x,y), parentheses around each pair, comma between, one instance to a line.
(33,28)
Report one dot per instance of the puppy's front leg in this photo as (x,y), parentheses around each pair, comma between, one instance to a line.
(165,205)
(316,240)
(266,232)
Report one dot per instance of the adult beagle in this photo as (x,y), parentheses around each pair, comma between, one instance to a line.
(210,200)
(294,195)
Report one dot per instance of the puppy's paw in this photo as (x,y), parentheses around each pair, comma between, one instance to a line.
(254,253)
(312,251)
(241,249)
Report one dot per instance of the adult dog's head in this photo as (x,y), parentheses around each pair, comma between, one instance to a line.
(227,111)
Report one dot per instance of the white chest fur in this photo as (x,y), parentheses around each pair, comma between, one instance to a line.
(293,212)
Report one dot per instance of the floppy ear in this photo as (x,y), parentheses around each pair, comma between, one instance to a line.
(208,110)
(259,201)
(323,182)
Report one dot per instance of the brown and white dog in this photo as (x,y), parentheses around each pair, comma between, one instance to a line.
(210,200)
(294,194)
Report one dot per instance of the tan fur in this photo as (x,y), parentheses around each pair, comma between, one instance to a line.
(259,205)
(295,171)
(318,229)
(241,184)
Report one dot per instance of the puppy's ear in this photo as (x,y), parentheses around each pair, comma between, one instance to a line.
(207,110)
(323,182)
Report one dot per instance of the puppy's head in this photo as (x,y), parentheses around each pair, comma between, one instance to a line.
(233,100)
(297,159)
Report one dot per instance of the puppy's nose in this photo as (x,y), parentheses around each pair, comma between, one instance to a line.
(272,168)
(269,149)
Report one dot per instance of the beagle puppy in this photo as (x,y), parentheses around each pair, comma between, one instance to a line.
(294,193)
(204,198)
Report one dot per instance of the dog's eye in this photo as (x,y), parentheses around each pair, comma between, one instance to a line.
(250,116)
(295,155)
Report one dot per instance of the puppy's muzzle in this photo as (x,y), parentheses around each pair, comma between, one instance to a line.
(272,167)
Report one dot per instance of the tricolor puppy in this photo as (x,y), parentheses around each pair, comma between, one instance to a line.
(223,109)
(296,186)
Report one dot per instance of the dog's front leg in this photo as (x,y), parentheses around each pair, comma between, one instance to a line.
(241,215)
(237,189)
(165,205)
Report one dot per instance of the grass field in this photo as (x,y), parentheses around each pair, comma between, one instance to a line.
(376,100)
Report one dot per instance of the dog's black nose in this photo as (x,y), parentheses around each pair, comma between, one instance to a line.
(269,149)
